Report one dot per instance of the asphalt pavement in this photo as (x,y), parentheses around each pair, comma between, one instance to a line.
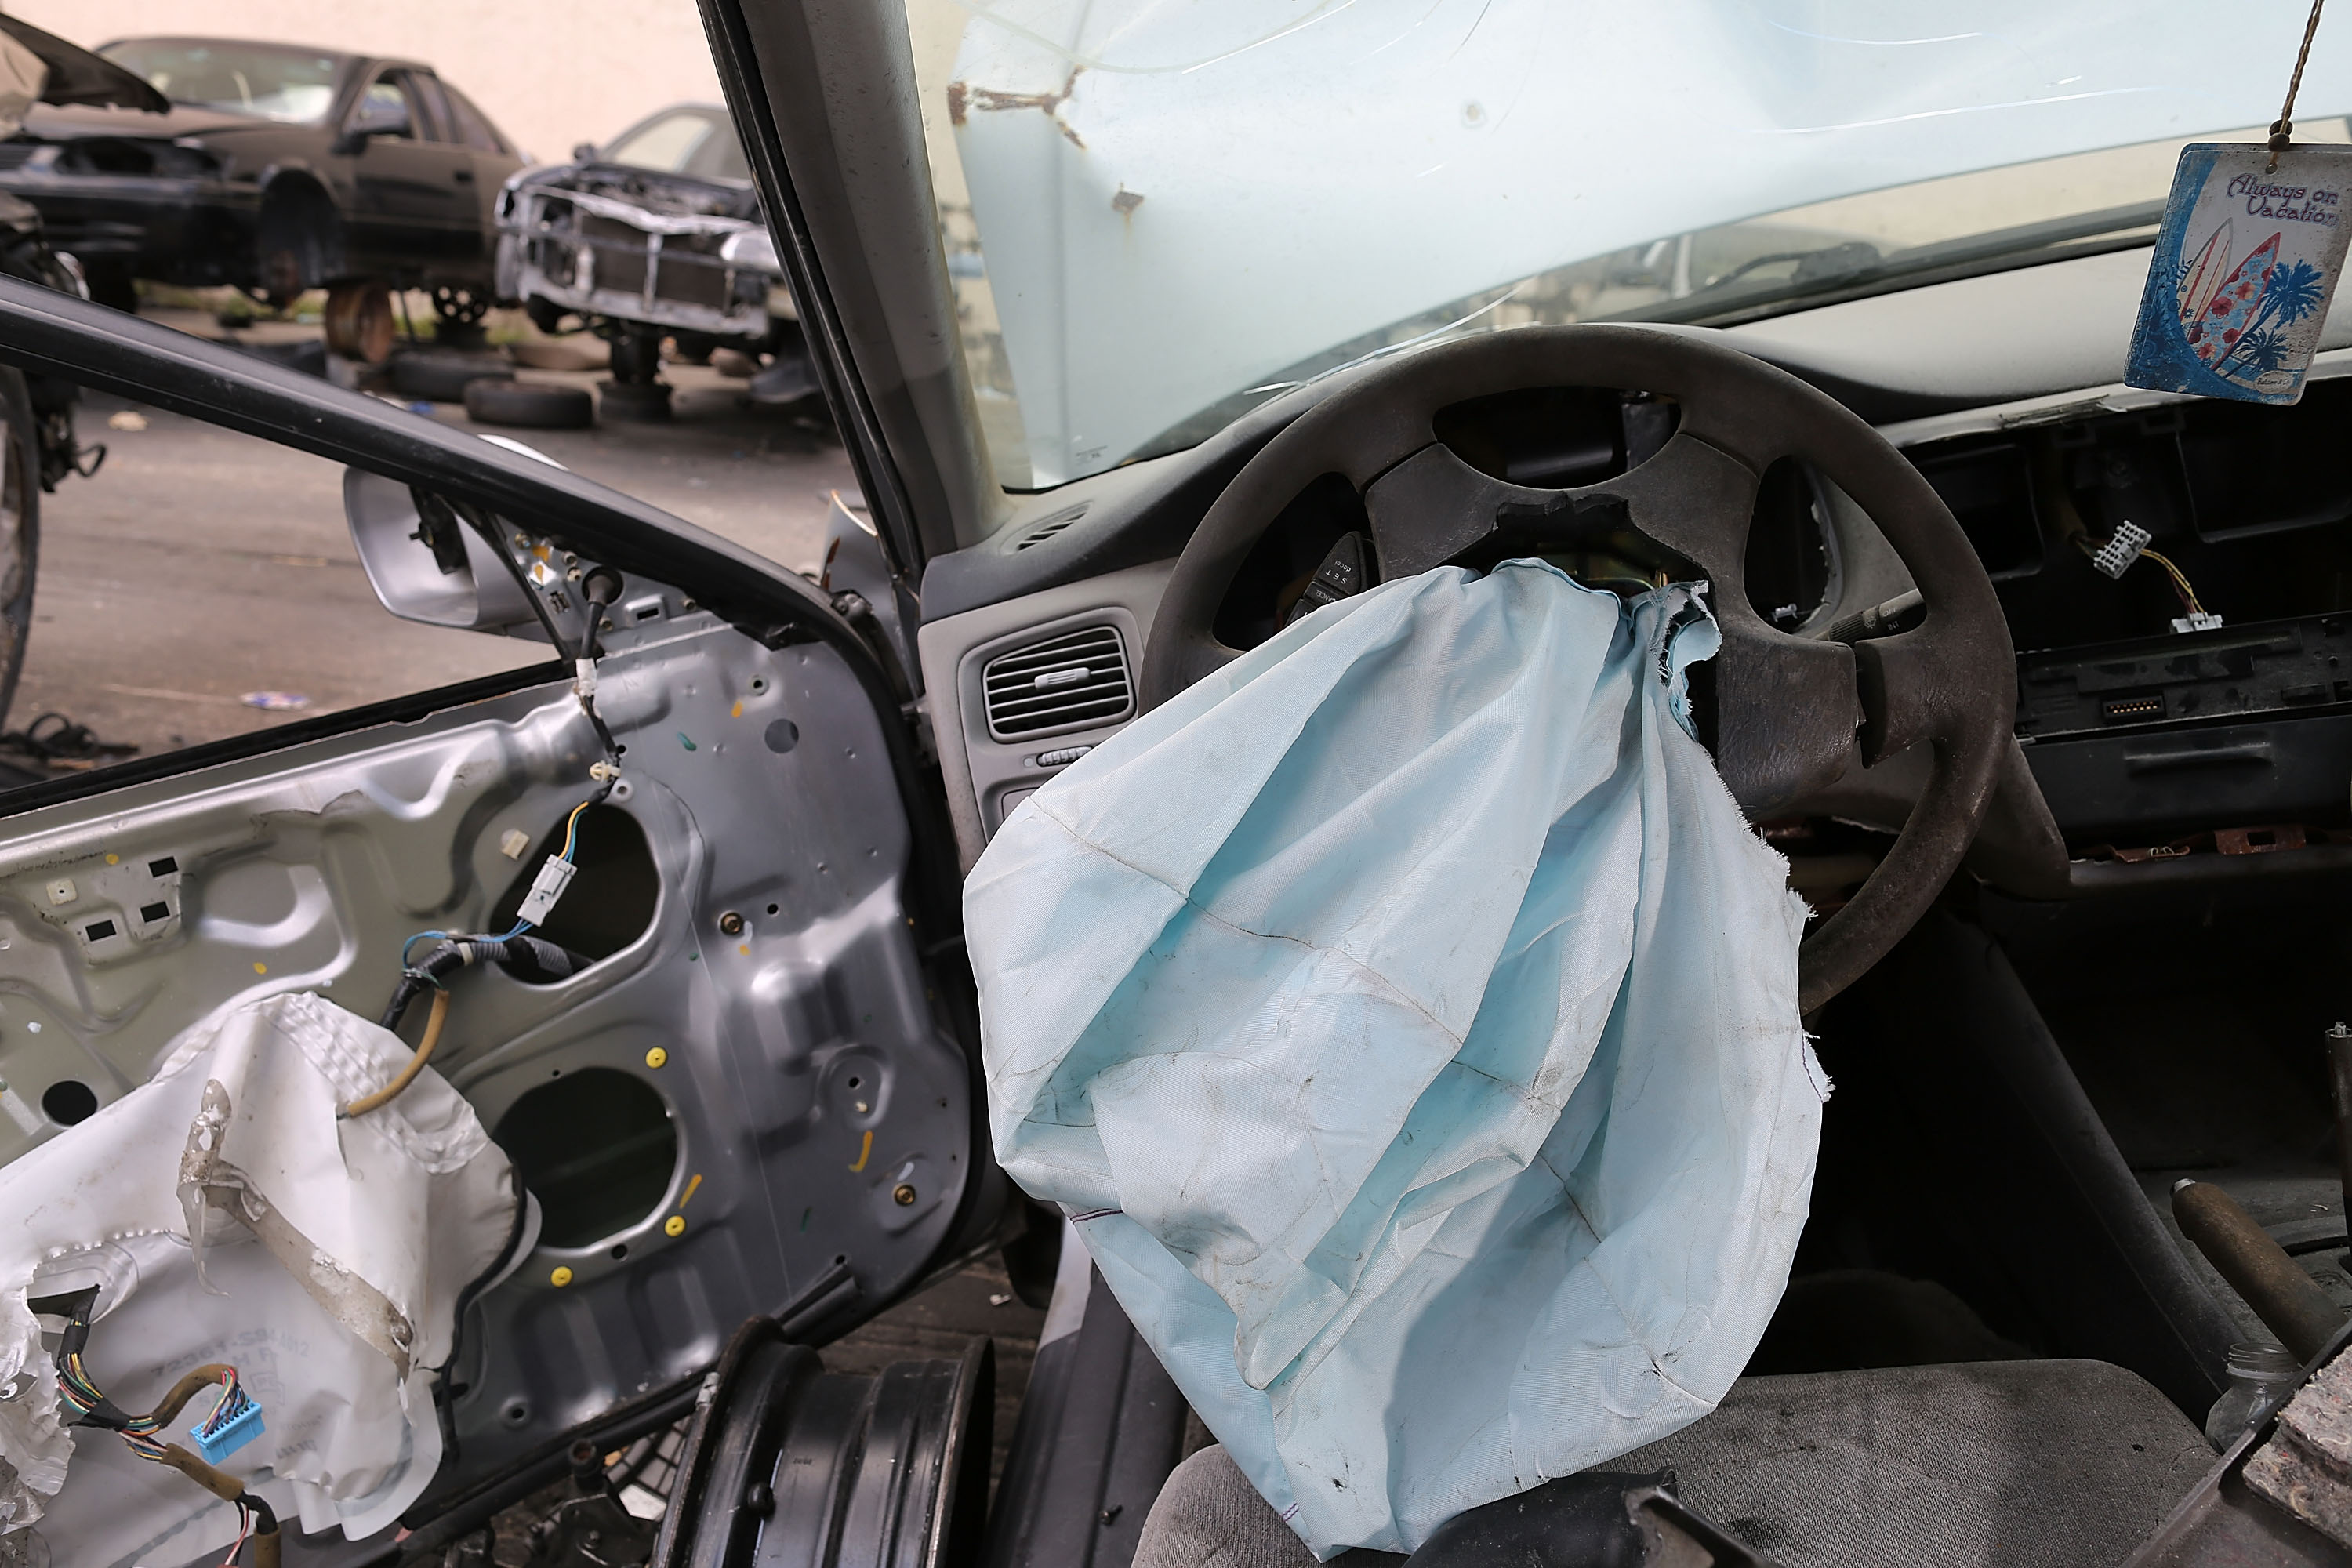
(202,574)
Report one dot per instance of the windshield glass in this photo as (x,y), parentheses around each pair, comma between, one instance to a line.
(1158,215)
(296,86)
(696,141)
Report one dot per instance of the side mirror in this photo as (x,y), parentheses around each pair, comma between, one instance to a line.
(428,567)
(348,144)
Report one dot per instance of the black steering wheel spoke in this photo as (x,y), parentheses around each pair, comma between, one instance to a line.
(1913,689)
(1785,715)
(1681,515)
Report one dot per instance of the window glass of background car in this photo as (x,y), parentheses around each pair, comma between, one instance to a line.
(665,144)
(295,86)
(437,123)
(202,585)
(720,156)
(474,128)
(384,111)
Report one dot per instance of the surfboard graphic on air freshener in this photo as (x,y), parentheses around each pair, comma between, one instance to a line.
(2246,262)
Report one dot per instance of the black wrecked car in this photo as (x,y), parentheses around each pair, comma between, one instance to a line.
(271,168)
(657,234)
(1145,326)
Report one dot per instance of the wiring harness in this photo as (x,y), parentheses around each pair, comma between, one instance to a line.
(235,1421)
(2128,544)
(514,949)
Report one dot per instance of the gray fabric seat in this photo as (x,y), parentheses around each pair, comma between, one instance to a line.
(2020,1464)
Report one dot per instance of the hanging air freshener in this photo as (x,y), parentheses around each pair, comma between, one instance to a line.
(2246,261)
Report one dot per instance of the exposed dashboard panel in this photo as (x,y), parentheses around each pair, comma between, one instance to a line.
(2203,683)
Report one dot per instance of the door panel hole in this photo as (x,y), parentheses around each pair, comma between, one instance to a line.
(597,1149)
(68,1101)
(610,899)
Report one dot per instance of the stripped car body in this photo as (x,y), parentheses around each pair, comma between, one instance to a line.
(618,240)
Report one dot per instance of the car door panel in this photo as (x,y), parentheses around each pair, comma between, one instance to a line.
(757,920)
(416,197)
(411,201)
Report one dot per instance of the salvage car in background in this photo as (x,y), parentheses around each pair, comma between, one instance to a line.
(37,411)
(657,234)
(274,169)
(744,1086)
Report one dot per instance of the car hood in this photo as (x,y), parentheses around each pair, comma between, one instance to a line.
(670,196)
(73,121)
(77,76)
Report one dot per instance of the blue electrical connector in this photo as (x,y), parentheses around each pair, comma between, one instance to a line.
(234,1422)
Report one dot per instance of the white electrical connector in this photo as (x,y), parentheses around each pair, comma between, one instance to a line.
(545,889)
(2202,620)
(2115,556)
(584,679)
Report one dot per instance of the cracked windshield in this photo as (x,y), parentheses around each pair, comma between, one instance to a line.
(533,227)
(1158,217)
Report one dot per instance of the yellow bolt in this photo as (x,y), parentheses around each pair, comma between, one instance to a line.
(656,1058)
(561,1278)
(674,1225)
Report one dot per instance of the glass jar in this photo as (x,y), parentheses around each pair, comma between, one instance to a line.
(2258,1374)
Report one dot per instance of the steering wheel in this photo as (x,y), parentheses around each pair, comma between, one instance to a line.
(1791,714)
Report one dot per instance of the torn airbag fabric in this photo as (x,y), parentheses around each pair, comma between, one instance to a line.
(1409,1018)
(225,1213)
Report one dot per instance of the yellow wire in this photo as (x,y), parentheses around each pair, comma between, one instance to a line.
(2180,580)
(432,1022)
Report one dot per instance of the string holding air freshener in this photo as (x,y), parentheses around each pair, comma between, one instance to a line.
(2246,262)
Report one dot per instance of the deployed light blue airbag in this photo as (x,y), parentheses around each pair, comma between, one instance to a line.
(1409,1018)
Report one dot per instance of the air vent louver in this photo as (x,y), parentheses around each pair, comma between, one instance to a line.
(1064,683)
(1051,526)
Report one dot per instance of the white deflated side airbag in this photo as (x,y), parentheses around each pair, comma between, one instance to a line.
(227,1214)
(1408,1016)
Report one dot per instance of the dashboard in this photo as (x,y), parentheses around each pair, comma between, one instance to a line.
(2198,703)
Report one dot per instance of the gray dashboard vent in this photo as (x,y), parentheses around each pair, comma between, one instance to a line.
(1048,527)
(1077,678)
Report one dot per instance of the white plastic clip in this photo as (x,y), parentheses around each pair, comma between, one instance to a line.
(545,889)
(2115,556)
